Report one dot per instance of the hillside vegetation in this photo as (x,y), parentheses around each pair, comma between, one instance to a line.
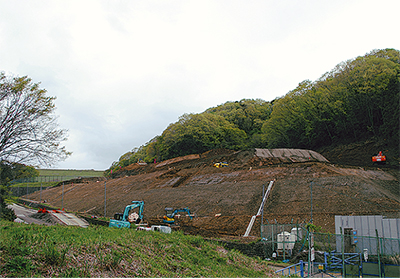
(356,101)
(61,251)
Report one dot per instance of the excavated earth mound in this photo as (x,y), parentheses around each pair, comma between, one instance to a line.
(224,199)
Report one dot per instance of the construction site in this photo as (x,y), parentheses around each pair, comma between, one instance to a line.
(224,190)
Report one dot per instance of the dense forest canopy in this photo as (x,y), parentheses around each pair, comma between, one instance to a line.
(358,99)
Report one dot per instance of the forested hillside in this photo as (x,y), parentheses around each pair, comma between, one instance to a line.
(356,101)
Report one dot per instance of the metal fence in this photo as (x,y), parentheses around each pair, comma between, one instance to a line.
(284,239)
(356,244)
(24,191)
(51,178)
(287,239)
(26,186)
(327,252)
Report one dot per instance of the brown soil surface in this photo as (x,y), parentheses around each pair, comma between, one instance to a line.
(224,199)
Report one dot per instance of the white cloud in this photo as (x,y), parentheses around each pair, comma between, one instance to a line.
(123,70)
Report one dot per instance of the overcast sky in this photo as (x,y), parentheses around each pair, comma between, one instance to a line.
(122,71)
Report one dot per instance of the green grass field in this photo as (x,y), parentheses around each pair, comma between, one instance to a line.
(61,172)
(51,177)
(61,251)
(35,184)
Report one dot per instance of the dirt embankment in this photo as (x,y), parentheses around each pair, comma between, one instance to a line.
(224,199)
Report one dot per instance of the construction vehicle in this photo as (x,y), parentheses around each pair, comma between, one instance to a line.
(156,228)
(124,220)
(221,164)
(170,214)
(379,158)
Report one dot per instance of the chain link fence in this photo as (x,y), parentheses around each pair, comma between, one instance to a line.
(346,253)
(48,178)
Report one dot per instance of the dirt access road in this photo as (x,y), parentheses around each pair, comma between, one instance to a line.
(224,199)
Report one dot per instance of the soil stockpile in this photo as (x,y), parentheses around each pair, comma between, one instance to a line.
(224,199)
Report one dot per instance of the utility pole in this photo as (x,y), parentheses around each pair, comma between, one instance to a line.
(311,203)
(105,198)
(62,200)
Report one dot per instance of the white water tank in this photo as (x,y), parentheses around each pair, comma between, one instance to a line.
(292,240)
(283,239)
(297,233)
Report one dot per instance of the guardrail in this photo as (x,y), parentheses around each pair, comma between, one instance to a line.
(298,268)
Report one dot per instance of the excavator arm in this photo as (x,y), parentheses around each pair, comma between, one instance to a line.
(121,220)
(134,205)
(169,216)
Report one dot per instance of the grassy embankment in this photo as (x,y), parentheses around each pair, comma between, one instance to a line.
(61,251)
(61,172)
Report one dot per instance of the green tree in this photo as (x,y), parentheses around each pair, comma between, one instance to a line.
(5,212)
(374,82)
(364,95)
(287,126)
(10,171)
(248,115)
(29,132)
(196,133)
(358,99)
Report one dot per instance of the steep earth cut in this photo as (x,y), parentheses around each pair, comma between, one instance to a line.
(224,199)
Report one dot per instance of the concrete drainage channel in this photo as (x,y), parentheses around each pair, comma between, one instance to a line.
(70,219)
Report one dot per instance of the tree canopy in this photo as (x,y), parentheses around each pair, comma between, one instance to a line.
(29,132)
(357,100)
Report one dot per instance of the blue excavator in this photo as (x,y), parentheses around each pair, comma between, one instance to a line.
(170,214)
(124,220)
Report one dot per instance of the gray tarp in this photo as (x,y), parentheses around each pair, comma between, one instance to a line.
(290,155)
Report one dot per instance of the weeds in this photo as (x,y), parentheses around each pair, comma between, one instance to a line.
(19,266)
(72,273)
(61,251)
(53,255)
(107,257)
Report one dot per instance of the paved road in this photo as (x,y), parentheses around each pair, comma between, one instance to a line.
(68,219)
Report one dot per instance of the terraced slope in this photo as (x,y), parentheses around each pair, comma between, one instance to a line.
(224,199)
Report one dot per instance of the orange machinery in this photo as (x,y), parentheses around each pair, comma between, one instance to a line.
(379,159)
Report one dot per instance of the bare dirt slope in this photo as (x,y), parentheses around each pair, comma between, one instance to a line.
(234,193)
